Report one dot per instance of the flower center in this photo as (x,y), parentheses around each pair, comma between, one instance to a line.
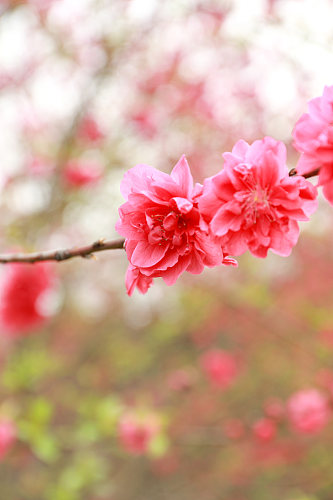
(259,198)
(254,203)
(166,229)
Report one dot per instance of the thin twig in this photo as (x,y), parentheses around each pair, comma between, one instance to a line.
(293,172)
(88,250)
(65,254)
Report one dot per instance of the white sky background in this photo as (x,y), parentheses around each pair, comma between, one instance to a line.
(302,38)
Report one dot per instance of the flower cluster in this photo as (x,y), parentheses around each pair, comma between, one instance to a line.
(171,226)
(306,412)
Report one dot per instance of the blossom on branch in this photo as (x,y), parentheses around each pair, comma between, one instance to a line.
(313,137)
(162,226)
(253,204)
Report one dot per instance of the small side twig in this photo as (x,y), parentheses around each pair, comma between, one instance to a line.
(63,254)
(293,172)
(88,250)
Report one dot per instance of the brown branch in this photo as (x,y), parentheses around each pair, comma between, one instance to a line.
(88,250)
(293,172)
(65,254)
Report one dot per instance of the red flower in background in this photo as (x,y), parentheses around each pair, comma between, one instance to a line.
(135,433)
(22,290)
(7,436)
(220,367)
(79,174)
(89,130)
(264,429)
(145,122)
(308,411)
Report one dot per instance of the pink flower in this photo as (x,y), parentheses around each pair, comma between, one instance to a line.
(89,130)
(7,436)
(220,367)
(136,433)
(253,203)
(313,137)
(264,429)
(78,174)
(308,411)
(23,288)
(161,223)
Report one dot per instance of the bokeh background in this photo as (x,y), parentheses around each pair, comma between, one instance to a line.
(220,387)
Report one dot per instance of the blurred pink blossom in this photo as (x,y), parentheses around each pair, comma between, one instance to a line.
(313,137)
(145,122)
(308,411)
(80,173)
(220,367)
(22,290)
(89,130)
(7,436)
(264,429)
(136,433)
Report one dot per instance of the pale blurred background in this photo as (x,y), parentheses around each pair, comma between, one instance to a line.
(88,89)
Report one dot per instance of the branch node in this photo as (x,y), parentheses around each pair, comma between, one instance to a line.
(58,255)
(99,243)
